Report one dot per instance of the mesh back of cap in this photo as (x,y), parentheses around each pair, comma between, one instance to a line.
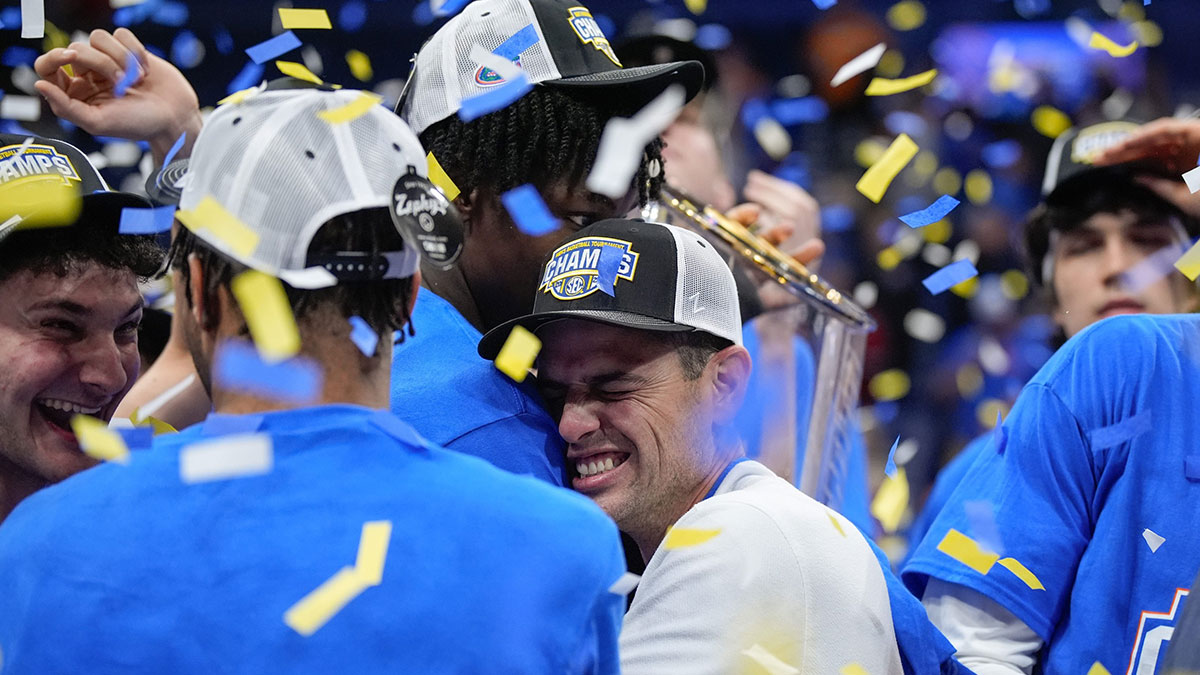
(446,74)
(705,293)
(283,171)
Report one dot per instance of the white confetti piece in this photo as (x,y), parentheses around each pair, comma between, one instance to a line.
(1192,178)
(769,661)
(33,19)
(624,139)
(20,108)
(1153,539)
(226,457)
(859,64)
(625,585)
(152,408)
(509,70)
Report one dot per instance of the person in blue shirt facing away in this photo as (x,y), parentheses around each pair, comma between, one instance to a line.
(1069,545)
(1097,244)
(294,530)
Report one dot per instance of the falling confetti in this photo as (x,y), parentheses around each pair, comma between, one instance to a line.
(1153,539)
(517,355)
(682,537)
(874,183)
(303,18)
(884,87)
(1099,41)
(268,314)
(236,456)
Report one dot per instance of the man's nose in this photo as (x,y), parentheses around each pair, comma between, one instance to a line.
(577,421)
(102,368)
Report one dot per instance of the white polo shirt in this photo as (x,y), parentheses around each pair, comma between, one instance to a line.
(786,582)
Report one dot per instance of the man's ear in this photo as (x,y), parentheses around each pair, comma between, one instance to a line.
(412,296)
(730,370)
(199,300)
(468,208)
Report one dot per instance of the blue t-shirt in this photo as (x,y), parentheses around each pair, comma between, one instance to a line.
(1096,492)
(947,480)
(758,403)
(127,569)
(458,400)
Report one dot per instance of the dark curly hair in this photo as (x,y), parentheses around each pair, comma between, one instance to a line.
(547,135)
(382,304)
(65,250)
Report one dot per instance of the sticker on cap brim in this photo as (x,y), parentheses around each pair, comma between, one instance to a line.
(574,268)
(589,32)
(425,216)
(1097,138)
(21,161)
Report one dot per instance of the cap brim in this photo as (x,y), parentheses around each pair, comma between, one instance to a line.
(493,340)
(640,84)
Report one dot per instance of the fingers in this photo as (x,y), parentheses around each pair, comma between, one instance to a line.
(784,198)
(48,66)
(105,43)
(809,251)
(64,106)
(133,44)
(746,214)
(778,233)
(1167,139)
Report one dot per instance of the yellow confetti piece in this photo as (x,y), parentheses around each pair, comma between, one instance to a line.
(303,18)
(210,215)
(771,663)
(353,110)
(1189,264)
(518,353)
(1100,41)
(891,500)
(906,15)
(39,201)
(889,385)
(268,314)
(240,95)
(966,289)
(160,427)
(947,181)
(876,180)
(696,6)
(97,440)
(1023,573)
(438,176)
(1098,669)
(853,669)
(836,525)
(683,537)
(1050,121)
(1014,284)
(372,551)
(937,233)
(966,551)
(318,607)
(884,87)
(889,258)
(969,380)
(890,64)
(360,65)
(978,187)
(298,71)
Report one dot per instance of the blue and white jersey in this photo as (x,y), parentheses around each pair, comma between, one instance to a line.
(458,400)
(129,569)
(1095,484)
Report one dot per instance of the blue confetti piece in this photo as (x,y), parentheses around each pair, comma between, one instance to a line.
(223,40)
(607,268)
(450,7)
(1001,154)
(137,438)
(363,336)
(933,213)
(270,49)
(186,50)
(217,424)
(951,275)
(19,56)
(422,14)
(793,111)
(10,17)
(497,99)
(837,218)
(1121,432)
(712,37)
(352,16)
(824,4)
(981,523)
(170,14)
(132,70)
(175,148)
(528,211)
(890,468)
(250,75)
(512,48)
(146,221)
(754,110)
(239,367)
(1191,468)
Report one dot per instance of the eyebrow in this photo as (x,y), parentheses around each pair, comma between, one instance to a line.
(72,307)
(596,380)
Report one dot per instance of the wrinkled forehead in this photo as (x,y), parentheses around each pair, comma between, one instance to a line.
(81,287)
(577,348)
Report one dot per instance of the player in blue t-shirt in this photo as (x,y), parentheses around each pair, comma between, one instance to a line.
(1068,543)
(303,528)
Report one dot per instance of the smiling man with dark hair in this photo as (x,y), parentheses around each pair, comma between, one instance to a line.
(69,314)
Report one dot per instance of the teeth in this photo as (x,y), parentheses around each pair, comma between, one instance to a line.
(586,469)
(58,404)
(608,464)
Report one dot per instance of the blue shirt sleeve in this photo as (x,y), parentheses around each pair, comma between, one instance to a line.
(1041,483)
(524,443)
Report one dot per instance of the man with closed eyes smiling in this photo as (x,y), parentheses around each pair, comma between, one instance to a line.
(69,315)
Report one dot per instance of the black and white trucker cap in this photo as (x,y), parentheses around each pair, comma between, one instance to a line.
(635,274)
(555,42)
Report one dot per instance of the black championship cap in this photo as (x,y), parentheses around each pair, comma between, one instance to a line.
(26,157)
(1075,150)
(555,42)
(634,274)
